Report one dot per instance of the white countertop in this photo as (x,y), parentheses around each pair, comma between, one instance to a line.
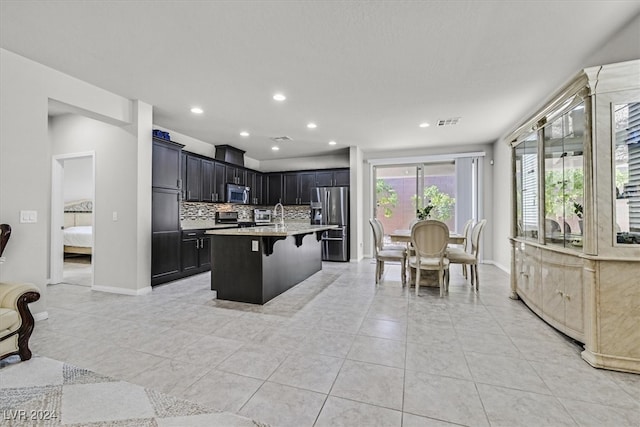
(289,229)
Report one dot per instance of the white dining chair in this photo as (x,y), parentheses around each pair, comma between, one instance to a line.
(383,254)
(429,239)
(470,258)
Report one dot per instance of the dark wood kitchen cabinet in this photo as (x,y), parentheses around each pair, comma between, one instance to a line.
(165,211)
(274,188)
(213,181)
(204,179)
(297,187)
(255,181)
(194,178)
(165,168)
(236,175)
(165,257)
(207,184)
(333,178)
(195,252)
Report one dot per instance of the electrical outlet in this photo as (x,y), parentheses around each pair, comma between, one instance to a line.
(254,246)
(115,215)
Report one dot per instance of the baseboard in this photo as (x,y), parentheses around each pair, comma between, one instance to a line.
(497,264)
(123,291)
(43,315)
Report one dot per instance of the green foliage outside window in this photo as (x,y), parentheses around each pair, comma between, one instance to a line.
(441,203)
(386,197)
(561,189)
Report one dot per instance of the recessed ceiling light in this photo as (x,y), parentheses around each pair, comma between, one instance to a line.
(275,148)
(197,110)
(424,125)
(244,133)
(332,143)
(312,125)
(279,97)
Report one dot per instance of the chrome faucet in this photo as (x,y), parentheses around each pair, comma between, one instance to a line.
(275,209)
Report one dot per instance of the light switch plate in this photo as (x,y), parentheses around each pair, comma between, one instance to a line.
(254,246)
(28,217)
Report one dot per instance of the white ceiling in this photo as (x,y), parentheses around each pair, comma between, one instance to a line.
(368,73)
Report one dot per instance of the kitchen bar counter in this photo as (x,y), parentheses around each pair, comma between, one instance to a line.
(256,264)
(289,229)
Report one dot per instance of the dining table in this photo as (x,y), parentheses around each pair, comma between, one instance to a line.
(427,279)
(404,236)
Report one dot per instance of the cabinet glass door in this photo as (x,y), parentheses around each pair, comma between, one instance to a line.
(564,178)
(526,164)
(627,173)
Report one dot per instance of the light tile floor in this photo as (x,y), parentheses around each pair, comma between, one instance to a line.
(339,350)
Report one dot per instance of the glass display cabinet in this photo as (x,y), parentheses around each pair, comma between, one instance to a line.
(576,213)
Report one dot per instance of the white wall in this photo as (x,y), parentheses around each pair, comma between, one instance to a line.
(25,164)
(78,179)
(203,148)
(339,160)
(502,201)
(356,201)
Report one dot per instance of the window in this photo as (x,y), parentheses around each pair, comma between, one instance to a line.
(402,189)
(626,156)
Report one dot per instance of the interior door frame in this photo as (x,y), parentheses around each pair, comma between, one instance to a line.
(57,213)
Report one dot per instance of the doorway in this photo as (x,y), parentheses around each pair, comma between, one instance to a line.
(73,219)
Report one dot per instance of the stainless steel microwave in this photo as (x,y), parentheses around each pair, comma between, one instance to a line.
(238,194)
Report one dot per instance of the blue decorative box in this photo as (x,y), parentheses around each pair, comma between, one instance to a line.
(161,134)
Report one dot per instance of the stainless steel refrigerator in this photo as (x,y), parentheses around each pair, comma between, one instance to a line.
(330,205)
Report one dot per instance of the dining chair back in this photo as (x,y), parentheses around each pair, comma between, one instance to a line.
(429,239)
(470,258)
(383,254)
(464,247)
(381,230)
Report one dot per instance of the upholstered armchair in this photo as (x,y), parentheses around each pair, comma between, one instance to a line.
(16,321)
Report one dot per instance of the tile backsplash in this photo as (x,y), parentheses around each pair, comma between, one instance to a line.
(198,211)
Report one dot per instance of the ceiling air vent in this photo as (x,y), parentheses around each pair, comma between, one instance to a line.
(281,139)
(449,122)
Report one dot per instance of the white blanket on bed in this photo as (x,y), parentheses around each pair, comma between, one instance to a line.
(79,236)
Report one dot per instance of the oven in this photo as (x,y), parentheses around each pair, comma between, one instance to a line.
(262,216)
(230,218)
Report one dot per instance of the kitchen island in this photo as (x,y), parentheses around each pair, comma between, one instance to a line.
(256,264)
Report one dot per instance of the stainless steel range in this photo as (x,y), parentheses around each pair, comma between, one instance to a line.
(230,217)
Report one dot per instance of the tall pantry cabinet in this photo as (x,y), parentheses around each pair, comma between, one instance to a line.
(165,214)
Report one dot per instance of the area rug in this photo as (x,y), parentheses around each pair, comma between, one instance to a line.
(46,392)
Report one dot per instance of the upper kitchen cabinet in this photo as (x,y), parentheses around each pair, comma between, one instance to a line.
(204,179)
(236,175)
(207,181)
(297,187)
(219,183)
(332,178)
(193,174)
(576,213)
(166,164)
(341,177)
(274,188)
(255,183)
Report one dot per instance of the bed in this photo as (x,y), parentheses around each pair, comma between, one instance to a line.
(78,227)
